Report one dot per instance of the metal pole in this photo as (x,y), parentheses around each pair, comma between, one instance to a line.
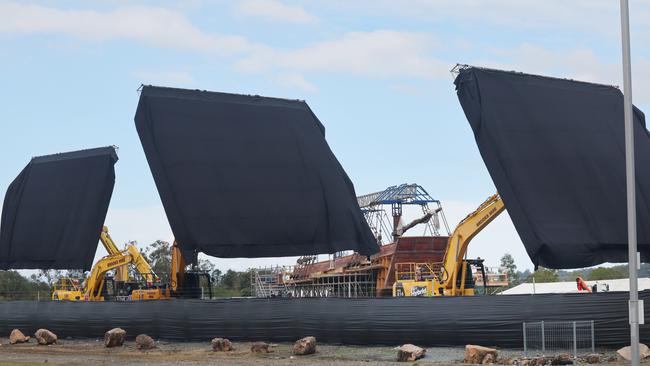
(575,344)
(630,182)
(525,346)
(593,340)
(543,338)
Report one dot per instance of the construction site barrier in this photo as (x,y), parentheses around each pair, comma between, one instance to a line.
(485,320)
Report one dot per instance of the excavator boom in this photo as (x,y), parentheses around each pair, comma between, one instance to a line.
(454,263)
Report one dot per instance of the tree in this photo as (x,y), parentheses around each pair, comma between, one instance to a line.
(13,286)
(216,276)
(160,258)
(229,280)
(508,262)
(544,275)
(604,273)
(245,283)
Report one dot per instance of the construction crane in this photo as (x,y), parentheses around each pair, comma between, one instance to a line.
(454,276)
(398,196)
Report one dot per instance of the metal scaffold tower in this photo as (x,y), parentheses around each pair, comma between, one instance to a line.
(373,207)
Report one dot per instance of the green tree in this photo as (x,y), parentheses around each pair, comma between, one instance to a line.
(544,275)
(604,273)
(508,262)
(216,276)
(13,286)
(160,258)
(245,283)
(229,280)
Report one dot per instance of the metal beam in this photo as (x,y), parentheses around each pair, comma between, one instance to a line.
(630,182)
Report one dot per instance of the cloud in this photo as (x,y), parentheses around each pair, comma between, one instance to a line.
(579,63)
(297,81)
(169,78)
(273,10)
(153,26)
(381,53)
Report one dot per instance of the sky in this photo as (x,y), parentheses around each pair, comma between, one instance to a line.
(376,73)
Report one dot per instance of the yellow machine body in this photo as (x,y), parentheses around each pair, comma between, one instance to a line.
(67,289)
(450,277)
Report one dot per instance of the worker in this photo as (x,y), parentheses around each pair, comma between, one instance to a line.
(582,285)
(418,273)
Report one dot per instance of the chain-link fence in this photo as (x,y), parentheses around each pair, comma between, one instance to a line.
(555,337)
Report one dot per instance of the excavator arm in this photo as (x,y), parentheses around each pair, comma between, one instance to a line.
(96,278)
(454,264)
(140,263)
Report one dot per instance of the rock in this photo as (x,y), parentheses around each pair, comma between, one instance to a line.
(626,352)
(409,352)
(17,336)
(260,347)
(143,342)
(563,359)
(488,359)
(540,361)
(44,337)
(304,346)
(593,358)
(114,337)
(475,354)
(222,344)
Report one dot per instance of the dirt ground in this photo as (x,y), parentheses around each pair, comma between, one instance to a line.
(93,352)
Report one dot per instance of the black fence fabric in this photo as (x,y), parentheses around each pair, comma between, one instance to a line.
(485,320)
(248,176)
(555,151)
(54,210)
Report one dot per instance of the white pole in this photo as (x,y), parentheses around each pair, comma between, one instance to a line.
(630,183)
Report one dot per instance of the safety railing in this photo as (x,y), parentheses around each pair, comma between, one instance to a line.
(555,337)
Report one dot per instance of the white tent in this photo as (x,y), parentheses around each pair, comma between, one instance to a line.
(622,284)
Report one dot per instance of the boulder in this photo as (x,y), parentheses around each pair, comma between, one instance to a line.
(260,347)
(114,337)
(593,358)
(143,342)
(488,359)
(44,337)
(409,352)
(304,346)
(539,361)
(562,359)
(17,336)
(222,344)
(475,354)
(626,352)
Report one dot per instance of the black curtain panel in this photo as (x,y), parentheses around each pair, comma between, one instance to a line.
(450,321)
(555,151)
(248,176)
(54,210)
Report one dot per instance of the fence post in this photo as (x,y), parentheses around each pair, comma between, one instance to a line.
(575,344)
(525,346)
(593,339)
(543,338)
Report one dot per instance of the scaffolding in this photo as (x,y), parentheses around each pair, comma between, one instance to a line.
(279,282)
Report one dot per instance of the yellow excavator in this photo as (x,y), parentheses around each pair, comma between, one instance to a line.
(97,286)
(453,277)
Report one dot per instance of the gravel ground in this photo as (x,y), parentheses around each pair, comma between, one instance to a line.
(93,352)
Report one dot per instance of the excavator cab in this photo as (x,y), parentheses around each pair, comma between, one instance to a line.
(67,289)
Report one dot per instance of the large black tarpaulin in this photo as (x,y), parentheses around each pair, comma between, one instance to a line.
(54,210)
(555,151)
(439,321)
(248,176)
